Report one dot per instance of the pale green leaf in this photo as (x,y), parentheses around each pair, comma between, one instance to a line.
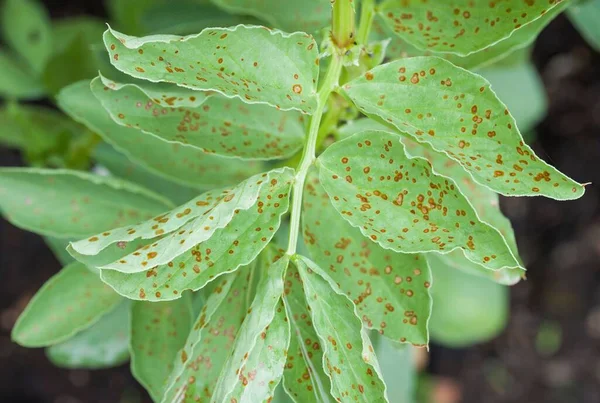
(209,344)
(158,332)
(461,26)
(72,204)
(26,29)
(219,126)
(58,246)
(255,365)
(304,378)
(184,165)
(466,309)
(249,62)
(207,255)
(17,81)
(348,356)
(390,290)
(69,302)
(398,367)
(456,112)
(401,204)
(585,15)
(105,344)
(306,15)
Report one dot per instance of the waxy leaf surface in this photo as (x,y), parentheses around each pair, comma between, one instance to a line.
(221,126)
(390,290)
(182,164)
(252,63)
(209,344)
(105,344)
(72,204)
(456,112)
(460,26)
(69,302)
(158,332)
(401,204)
(348,356)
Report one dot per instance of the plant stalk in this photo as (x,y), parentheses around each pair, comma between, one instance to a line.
(343,25)
(367,12)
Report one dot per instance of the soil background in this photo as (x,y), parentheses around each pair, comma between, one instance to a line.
(559,242)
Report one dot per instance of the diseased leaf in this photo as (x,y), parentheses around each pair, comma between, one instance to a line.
(72,204)
(17,81)
(348,356)
(182,164)
(219,126)
(461,26)
(26,29)
(369,179)
(69,302)
(304,378)
(236,244)
(158,332)
(306,15)
(390,290)
(209,343)
(468,309)
(585,16)
(105,344)
(255,366)
(249,62)
(456,112)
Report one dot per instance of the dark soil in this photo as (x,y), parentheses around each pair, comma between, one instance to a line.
(560,243)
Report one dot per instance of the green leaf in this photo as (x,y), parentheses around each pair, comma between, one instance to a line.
(210,341)
(467,309)
(255,366)
(304,378)
(66,30)
(398,368)
(128,14)
(58,246)
(219,126)
(72,204)
(390,290)
(349,359)
(158,332)
(429,212)
(268,67)
(208,255)
(585,16)
(456,112)
(306,15)
(184,165)
(16,81)
(69,302)
(460,26)
(105,344)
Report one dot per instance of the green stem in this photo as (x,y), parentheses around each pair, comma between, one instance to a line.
(309,155)
(342,24)
(367,11)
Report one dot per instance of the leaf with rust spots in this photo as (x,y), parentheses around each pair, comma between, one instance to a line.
(304,378)
(72,204)
(462,26)
(390,290)
(456,112)
(221,126)
(401,204)
(228,61)
(349,359)
(71,301)
(158,332)
(198,365)
(105,344)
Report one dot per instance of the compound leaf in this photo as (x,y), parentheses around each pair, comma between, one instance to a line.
(69,302)
(248,62)
(461,26)
(182,164)
(456,112)
(219,126)
(105,344)
(370,180)
(390,290)
(158,332)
